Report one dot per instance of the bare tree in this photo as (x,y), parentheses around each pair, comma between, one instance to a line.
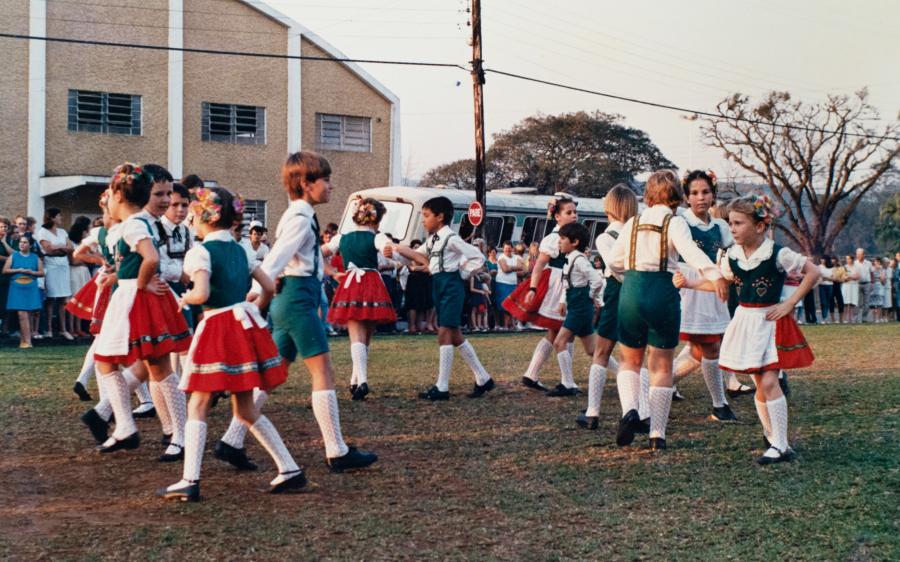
(818,160)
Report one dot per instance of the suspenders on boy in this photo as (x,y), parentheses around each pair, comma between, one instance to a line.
(663,231)
(440,253)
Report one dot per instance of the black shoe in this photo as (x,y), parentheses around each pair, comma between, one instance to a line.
(587,422)
(295,482)
(534,385)
(676,396)
(130,442)
(169,457)
(723,414)
(353,388)
(740,391)
(434,394)
(562,390)
(82,392)
(783,383)
(98,428)
(657,444)
(353,459)
(189,493)
(481,390)
(628,426)
(166,439)
(233,456)
(783,456)
(643,427)
(766,443)
(151,413)
(360,392)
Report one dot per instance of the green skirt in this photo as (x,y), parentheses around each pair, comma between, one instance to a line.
(579,311)
(449,294)
(649,310)
(296,325)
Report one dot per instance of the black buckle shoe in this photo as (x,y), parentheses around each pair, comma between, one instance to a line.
(133,441)
(82,392)
(151,413)
(353,388)
(783,456)
(585,421)
(534,385)
(352,460)
(657,444)
(723,414)
(740,391)
(766,443)
(627,428)
(189,493)
(295,482)
(98,428)
(170,457)
(434,394)
(643,427)
(360,392)
(480,390)
(562,390)
(233,456)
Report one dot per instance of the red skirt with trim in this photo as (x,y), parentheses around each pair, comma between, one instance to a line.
(99,311)
(515,303)
(700,338)
(156,328)
(81,305)
(363,300)
(229,357)
(793,350)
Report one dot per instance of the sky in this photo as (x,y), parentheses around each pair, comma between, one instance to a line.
(690,53)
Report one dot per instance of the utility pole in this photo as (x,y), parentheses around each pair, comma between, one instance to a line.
(477,84)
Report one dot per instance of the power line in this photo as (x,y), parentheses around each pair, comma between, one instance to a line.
(682,109)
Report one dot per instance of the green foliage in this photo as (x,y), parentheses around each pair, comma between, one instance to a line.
(887,230)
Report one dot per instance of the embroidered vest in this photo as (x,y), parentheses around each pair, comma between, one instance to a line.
(229,280)
(709,241)
(128,263)
(760,285)
(359,249)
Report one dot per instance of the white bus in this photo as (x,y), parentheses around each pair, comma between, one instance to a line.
(512,214)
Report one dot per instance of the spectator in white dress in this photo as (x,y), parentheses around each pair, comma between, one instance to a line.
(57,248)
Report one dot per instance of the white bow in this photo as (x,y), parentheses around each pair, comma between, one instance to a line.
(354,274)
(243,312)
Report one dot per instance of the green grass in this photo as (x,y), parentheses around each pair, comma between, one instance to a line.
(508,477)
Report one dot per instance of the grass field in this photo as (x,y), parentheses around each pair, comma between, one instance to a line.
(508,477)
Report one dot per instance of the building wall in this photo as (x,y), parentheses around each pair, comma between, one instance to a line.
(329,87)
(106,69)
(14,110)
(252,170)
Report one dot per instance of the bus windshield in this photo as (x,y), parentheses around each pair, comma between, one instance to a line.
(395,221)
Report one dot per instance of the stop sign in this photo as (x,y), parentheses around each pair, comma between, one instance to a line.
(476,213)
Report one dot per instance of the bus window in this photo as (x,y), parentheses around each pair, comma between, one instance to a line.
(395,221)
(466,229)
(528,229)
(509,224)
(589,225)
(492,230)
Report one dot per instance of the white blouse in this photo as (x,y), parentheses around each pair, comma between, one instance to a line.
(788,261)
(581,273)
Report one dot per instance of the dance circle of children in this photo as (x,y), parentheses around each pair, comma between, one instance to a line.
(174,317)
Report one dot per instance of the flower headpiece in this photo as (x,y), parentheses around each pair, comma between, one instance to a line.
(128,173)
(365,213)
(556,200)
(764,208)
(711,174)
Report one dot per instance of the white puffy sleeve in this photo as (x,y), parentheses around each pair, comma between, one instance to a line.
(550,245)
(790,261)
(333,245)
(133,232)
(381,240)
(197,259)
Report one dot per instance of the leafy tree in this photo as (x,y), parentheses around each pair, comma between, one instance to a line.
(887,230)
(819,168)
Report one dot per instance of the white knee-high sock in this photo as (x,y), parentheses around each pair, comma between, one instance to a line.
(564,358)
(175,400)
(660,404)
(445,365)
(162,410)
(359,354)
(596,381)
(118,394)
(101,388)
(269,438)
(685,363)
(570,347)
(237,430)
(644,396)
(731,381)
(629,385)
(712,376)
(325,408)
(778,413)
(763,412)
(194,443)
(87,366)
(612,366)
(540,355)
(467,352)
(136,386)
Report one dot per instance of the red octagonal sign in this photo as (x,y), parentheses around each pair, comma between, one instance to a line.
(476,213)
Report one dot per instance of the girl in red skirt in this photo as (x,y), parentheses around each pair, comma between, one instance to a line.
(142,320)
(361,301)
(232,349)
(763,336)
(537,298)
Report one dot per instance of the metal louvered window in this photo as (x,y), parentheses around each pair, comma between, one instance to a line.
(103,112)
(236,124)
(344,132)
(254,210)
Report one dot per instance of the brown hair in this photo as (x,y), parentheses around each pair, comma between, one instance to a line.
(663,188)
(303,166)
(760,209)
(620,203)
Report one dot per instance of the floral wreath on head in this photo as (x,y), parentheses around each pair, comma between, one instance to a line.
(206,205)
(711,174)
(365,213)
(557,199)
(123,176)
(764,208)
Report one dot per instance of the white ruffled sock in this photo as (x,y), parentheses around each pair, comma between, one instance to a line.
(359,354)
(175,401)
(564,358)
(763,412)
(778,413)
(119,398)
(445,365)
(236,432)
(269,438)
(660,404)
(629,385)
(467,352)
(712,376)
(596,381)
(644,396)
(540,355)
(162,410)
(87,366)
(325,408)
(194,443)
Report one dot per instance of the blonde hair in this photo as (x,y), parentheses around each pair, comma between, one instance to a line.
(759,208)
(620,203)
(663,188)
